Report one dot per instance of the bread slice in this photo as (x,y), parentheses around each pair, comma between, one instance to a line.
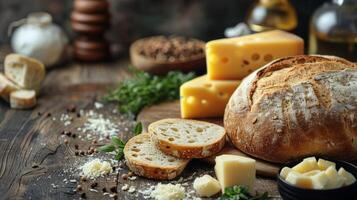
(144,159)
(23,99)
(184,138)
(26,72)
(6,87)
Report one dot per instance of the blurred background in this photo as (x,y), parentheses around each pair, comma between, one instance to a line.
(132,19)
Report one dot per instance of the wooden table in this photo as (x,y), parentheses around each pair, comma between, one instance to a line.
(38,162)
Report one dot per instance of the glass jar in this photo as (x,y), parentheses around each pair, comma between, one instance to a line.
(272,14)
(333,30)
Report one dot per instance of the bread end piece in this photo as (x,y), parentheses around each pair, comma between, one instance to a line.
(23,99)
(6,87)
(26,72)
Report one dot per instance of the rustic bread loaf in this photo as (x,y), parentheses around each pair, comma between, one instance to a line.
(296,107)
(144,159)
(185,138)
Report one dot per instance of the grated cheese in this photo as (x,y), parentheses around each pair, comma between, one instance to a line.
(94,168)
(99,125)
(168,192)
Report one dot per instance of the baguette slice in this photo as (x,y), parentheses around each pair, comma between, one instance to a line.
(26,72)
(184,138)
(6,87)
(23,99)
(144,159)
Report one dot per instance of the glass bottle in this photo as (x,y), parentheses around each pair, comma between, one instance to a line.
(333,30)
(272,14)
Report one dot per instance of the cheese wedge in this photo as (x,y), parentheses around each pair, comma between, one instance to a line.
(235,58)
(324,164)
(202,97)
(348,177)
(308,164)
(235,170)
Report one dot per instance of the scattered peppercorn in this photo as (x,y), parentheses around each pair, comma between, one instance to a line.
(93,185)
(113,189)
(79,188)
(76,146)
(66,141)
(83,196)
(124,176)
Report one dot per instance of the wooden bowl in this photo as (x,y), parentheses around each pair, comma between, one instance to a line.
(161,67)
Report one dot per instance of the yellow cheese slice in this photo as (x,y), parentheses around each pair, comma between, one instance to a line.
(202,97)
(235,58)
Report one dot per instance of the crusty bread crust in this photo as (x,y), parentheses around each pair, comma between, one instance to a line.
(142,167)
(296,107)
(187,150)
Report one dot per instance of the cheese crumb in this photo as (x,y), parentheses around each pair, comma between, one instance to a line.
(168,192)
(95,168)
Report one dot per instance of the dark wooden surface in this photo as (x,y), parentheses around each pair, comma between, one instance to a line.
(34,159)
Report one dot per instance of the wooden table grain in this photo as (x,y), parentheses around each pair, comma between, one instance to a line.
(38,162)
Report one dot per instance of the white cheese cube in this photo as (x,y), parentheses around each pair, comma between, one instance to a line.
(348,177)
(206,186)
(334,180)
(308,164)
(319,180)
(299,180)
(235,170)
(324,164)
(285,171)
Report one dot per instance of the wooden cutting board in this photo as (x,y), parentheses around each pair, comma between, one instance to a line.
(172,110)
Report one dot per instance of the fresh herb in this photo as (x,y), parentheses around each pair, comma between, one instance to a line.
(241,193)
(138,128)
(116,145)
(145,90)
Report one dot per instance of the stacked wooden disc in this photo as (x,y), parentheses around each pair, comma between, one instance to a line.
(90,19)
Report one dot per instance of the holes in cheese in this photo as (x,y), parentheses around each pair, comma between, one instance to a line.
(200,93)
(241,55)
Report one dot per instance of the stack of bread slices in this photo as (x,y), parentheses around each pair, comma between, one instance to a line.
(167,148)
(21,81)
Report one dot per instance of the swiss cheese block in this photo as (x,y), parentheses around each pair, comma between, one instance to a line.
(202,97)
(235,170)
(235,58)
(206,186)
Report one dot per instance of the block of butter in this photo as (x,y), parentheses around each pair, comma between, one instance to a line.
(235,58)
(202,97)
(235,170)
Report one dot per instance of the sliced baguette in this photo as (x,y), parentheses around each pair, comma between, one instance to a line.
(23,99)
(144,159)
(184,138)
(26,72)
(6,87)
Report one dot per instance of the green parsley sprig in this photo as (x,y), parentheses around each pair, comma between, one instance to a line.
(117,145)
(145,89)
(239,192)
